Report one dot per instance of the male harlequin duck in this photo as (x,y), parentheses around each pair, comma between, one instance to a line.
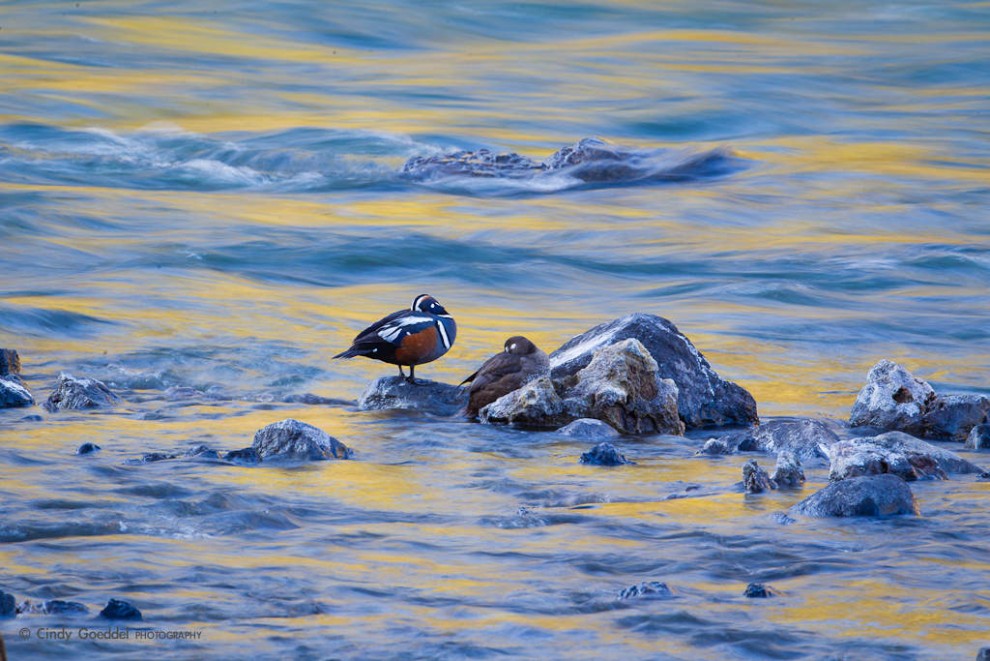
(410,337)
(504,372)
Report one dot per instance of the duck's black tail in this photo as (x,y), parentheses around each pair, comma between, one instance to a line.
(350,353)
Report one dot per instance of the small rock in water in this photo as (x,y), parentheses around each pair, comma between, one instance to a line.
(52,607)
(647,589)
(294,440)
(88,448)
(13,394)
(755,479)
(243,456)
(717,446)
(869,495)
(788,472)
(983,654)
(589,429)
(120,610)
(394,392)
(604,454)
(760,591)
(151,457)
(82,393)
(8,605)
(979,437)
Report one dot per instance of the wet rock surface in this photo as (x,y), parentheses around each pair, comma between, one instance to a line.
(647,590)
(394,392)
(704,398)
(52,607)
(788,473)
(807,438)
(756,479)
(897,453)
(8,605)
(293,440)
(589,429)
(895,400)
(604,454)
(73,393)
(870,496)
(760,591)
(117,609)
(979,437)
(88,448)
(13,394)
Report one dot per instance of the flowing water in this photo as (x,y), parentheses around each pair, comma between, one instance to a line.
(201,202)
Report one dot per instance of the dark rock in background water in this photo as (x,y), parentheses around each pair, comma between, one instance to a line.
(589,429)
(120,610)
(394,392)
(760,591)
(88,448)
(536,405)
(647,589)
(604,454)
(872,495)
(704,398)
(896,453)
(71,393)
(52,607)
(979,437)
(622,387)
(788,473)
(8,605)
(13,394)
(290,439)
(895,400)
(755,479)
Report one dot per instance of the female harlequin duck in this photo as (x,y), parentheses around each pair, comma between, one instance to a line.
(410,337)
(504,372)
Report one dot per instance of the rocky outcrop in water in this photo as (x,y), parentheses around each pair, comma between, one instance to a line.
(620,385)
(760,591)
(589,429)
(869,495)
(394,392)
(897,453)
(117,609)
(756,479)
(293,440)
(13,394)
(646,590)
(604,454)
(52,607)
(807,438)
(788,474)
(895,400)
(703,399)
(73,393)
(88,448)
(979,437)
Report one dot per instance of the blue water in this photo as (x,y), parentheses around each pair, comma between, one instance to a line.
(201,202)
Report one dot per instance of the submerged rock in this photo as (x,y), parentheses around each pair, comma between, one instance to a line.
(13,394)
(71,393)
(535,405)
(979,437)
(604,454)
(895,400)
(646,589)
(807,438)
(88,448)
(394,392)
(52,607)
(760,591)
(897,453)
(704,398)
(243,456)
(294,440)
(788,473)
(8,605)
(589,429)
(870,495)
(755,479)
(622,387)
(120,610)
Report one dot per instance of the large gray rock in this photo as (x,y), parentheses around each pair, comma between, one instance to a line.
(622,386)
(897,453)
(13,394)
(292,440)
(704,398)
(535,405)
(979,437)
(394,392)
(71,393)
(871,495)
(894,399)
